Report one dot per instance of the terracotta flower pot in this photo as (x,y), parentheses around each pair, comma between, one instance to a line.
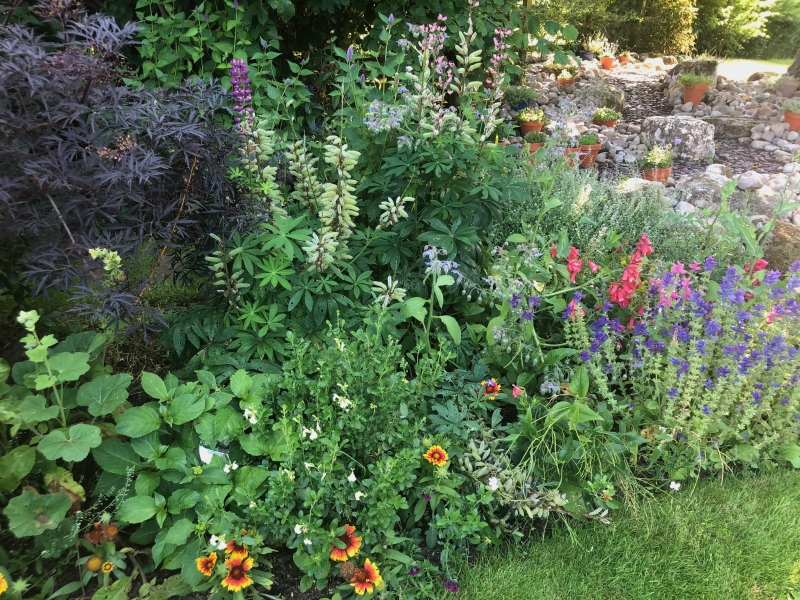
(607,61)
(527,126)
(789,88)
(623,60)
(590,155)
(610,123)
(569,81)
(793,119)
(657,174)
(694,93)
(534,147)
(572,156)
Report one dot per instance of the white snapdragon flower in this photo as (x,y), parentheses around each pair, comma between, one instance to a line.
(214,540)
(352,477)
(342,401)
(359,495)
(494,483)
(674,485)
(309,465)
(307,542)
(311,433)
(230,467)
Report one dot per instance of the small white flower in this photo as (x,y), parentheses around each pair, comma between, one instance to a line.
(342,401)
(214,540)
(313,435)
(359,495)
(227,468)
(252,504)
(674,485)
(298,529)
(222,546)
(234,466)
(352,477)
(309,465)
(494,483)
(307,542)
(253,420)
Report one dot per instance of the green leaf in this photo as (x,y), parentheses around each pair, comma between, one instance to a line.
(138,421)
(72,446)
(452,328)
(185,408)
(15,465)
(154,386)
(175,458)
(569,33)
(147,483)
(172,586)
(182,500)
(105,393)
(179,532)
(414,307)
(790,452)
(137,509)
(32,410)
(557,355)
(241,383)
(30,514)
(580,383)
(148,446)
(69,366)
(398,556)
(115,456)
(118,590)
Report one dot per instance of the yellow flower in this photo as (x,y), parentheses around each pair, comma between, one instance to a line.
(3,584)
(107,567)
(436,455)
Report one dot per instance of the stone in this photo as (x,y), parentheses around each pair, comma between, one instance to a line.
(750,180)
(732,127)
(768,136)
(697,136)
(782,246)
(655,62)
(602,94)
(759,75)
(669,60)
(702,67)
(758,144)
(792,136)
(704,190)
(720,169)
(687,107)
(770,148)
(684,208)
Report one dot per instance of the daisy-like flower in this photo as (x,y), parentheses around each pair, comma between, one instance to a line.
(206,564)
(237,578)
(236,550)
(491,388)
(494,483)
(352,477)
(436,455)
(674,485)
(366,579)
(3,582)
(107,567)
(352,544)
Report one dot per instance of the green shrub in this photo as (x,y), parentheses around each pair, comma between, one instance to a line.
(605,114)
(723,27)
(589,139)
(691,80)
(535,137)
(792,106)
(517,94)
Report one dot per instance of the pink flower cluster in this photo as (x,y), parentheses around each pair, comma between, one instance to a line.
(622,292)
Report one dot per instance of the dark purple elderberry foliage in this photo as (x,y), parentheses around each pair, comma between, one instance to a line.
(89,162)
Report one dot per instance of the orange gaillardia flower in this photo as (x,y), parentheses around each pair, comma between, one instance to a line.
(236,550)
(491,388)
(206,564)
(94,563)
(107,567)
(364,579)
(436,455)
(3,584)
(237,578)
(352,544)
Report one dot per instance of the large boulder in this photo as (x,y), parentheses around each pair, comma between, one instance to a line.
(704,190)
(782,246)
(601,94)
(732,127)
(695,135)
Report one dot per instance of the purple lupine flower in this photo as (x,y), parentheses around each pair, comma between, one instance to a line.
(349,54)
(784,401)
(710,264)
(515,301)
(706,410)
(534,301)
(235,3)
(527,315)
(640,329)
(241,93)
(756,396)
(701,347)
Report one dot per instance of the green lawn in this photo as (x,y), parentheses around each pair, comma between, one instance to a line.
(733,542)
(742,68)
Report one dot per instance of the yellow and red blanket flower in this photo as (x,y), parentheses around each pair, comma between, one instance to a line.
(237,578)
(236,550)
(491,388)
(352,544)
(436,455)
(3,584)
(366,579)
(107,567)
(206,564)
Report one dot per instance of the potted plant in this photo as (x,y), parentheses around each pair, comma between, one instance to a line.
(535,140)
(592,46)
(519,96)
(788,86)
(694,87)
(657,163)
(590,147)
(624,57)
(607,53)
(572,152)
(531,120)
(565,77)
(606,116)
(791,114)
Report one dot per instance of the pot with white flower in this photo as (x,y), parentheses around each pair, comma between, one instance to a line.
(791,114)
(591,46)
(606,117)
(657,163)
(565,78)
(607,53)
(694,87)
(531,120)
(624,57)
(590,147)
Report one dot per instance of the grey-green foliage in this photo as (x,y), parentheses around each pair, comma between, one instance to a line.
(517,94)
(592,208)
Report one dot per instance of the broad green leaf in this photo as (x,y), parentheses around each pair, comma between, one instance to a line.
(171,586)
(119,590)
(30,513)
(116,456)
(414,307)
(557,355)
(174,458)
(137,509)
(32,410)
(452,328)
(154,386)
(147,483)
(790,452)
(15,465)
(185,408)
(580,383)
(148,446)
(241,383)
(73,445)
(182,499)
(179,532)
(105,393)
(61,481)
(69,366)
(398,556)
(138,421)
